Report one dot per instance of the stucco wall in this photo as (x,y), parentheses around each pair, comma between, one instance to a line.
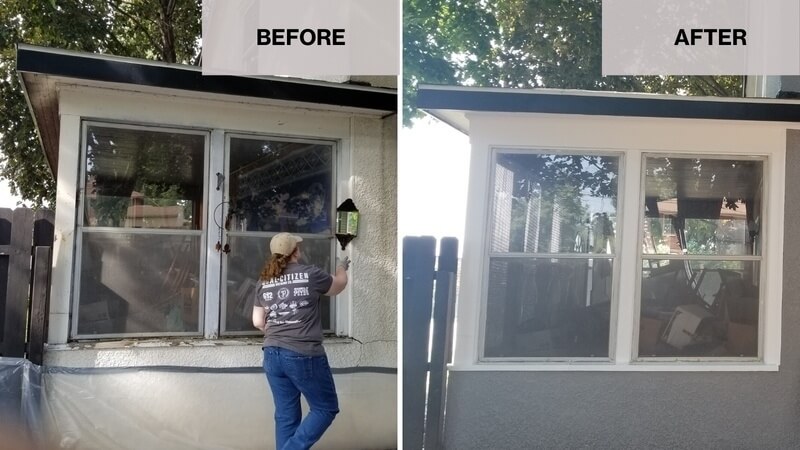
(516,410)
(374,270)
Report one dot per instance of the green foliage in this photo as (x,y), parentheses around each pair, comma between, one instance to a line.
(522,44)
(166,30)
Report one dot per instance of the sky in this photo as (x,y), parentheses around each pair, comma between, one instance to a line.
(433,166)
(6,199)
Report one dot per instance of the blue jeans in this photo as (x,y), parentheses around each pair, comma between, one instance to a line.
(291,374)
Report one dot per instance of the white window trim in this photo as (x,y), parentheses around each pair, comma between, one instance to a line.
(216,140)
(624,321)
(640,257)
(488,254)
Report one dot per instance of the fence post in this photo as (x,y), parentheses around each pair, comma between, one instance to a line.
(40,284)
(43,228)
(418,275)
(39,304)
(5,251)
(19,278)
(443,312)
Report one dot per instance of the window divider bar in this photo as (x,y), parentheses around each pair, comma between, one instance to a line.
(148,231)
(269,234)
(553,255)
(652,257)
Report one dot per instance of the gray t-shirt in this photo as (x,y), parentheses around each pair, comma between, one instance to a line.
(291,301)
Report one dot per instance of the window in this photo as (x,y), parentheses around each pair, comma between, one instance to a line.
(140,269)
(143,247)
(701,257)
(552,255)
(275,185)
(555,257)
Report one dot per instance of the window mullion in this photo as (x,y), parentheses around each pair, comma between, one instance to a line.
(627,308)
(216,214)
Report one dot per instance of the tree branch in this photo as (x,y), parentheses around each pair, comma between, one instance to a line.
(135,21)
(198,60)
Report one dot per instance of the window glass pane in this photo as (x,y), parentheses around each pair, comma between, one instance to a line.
(245,261)
(702,206)
(554,203)
(280,186)
(143,178)
(548,307)
(139,283)
(699,308)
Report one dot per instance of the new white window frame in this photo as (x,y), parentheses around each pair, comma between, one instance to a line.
(488,254)
(625,304)
(641,256)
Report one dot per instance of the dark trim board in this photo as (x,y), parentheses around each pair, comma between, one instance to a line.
(604,104)
(192,369)
(117,70)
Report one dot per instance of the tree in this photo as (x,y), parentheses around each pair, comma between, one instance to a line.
(523,44)
(166,30)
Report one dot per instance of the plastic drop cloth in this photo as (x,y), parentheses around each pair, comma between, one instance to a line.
(20,399)
(171,407)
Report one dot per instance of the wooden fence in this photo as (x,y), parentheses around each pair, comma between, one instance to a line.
(429,293)
(26,240)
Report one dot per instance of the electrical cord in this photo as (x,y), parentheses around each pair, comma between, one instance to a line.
(219,245)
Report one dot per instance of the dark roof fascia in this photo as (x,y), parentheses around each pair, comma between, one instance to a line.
(471,99)
(128,71)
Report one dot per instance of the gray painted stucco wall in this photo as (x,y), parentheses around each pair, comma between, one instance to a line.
(790,84)
(525,410)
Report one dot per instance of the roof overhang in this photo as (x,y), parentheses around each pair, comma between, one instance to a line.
(453,104)
(42,69)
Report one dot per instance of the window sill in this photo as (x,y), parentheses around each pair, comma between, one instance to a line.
(607,366)
(229,353)
(174,342)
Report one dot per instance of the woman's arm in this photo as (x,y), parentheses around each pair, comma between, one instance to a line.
(259,318)
(339,281)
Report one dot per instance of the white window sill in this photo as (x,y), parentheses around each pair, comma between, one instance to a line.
(672,366)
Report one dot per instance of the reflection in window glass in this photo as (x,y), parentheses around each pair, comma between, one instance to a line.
(143,178)
(695,308)
(280,186)
(692,306)
(245,261)
(702,206)
(139,283)
(551,307)
(554,203)
(548,307)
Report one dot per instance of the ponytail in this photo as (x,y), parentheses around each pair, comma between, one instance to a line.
(275,266)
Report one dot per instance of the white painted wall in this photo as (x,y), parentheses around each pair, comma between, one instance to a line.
(635,135)
(231,411)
